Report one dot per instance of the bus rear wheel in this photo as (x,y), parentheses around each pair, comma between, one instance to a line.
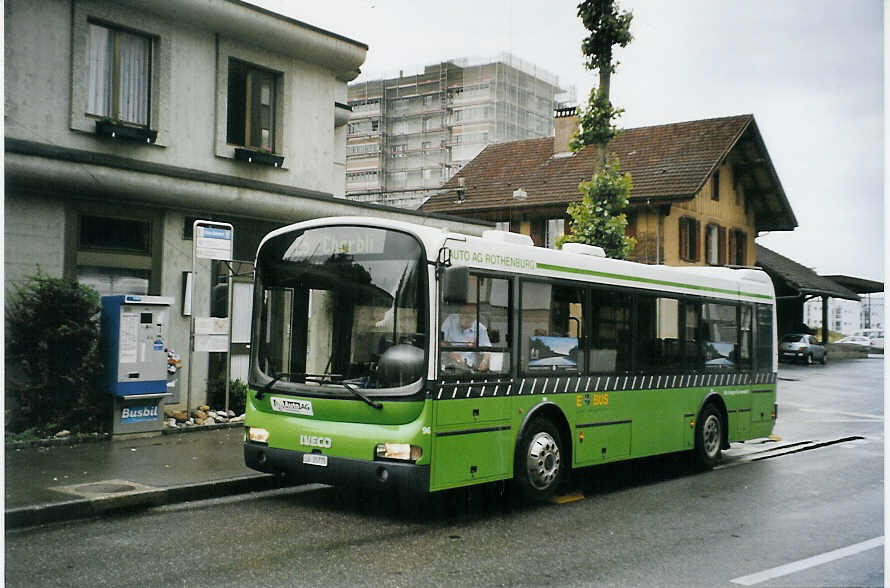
(539,467)
(709,437)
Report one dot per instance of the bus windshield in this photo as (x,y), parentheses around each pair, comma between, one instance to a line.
(340,305)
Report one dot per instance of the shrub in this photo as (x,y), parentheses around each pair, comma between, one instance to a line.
(216,393)
(53,366)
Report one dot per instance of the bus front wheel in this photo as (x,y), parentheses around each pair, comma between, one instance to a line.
(539,467)
(708,437)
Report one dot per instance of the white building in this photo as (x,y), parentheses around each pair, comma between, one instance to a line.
(409,134)
(126,120)
(847,317)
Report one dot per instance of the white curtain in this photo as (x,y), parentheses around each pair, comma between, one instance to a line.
(99,63)
(135,55)
(134,63)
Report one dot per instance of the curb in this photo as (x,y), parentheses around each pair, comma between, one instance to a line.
(70,510)
(97,437)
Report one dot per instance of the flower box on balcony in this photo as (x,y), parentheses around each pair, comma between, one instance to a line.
(116,130)
(257,156)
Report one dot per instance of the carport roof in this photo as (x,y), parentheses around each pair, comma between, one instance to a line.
(800,278)
(858,285)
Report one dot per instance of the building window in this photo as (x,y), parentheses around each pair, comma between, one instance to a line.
(715,245)
(119,75)
(715,186)
(689,247)
(252,93)
(556,228)
(107,234)
(738,246)
(101,241)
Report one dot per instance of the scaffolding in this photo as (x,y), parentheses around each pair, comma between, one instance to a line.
(432,122)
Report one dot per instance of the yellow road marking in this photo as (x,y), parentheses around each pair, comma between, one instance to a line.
(566,498)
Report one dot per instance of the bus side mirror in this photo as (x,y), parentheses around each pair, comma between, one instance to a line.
(455,284)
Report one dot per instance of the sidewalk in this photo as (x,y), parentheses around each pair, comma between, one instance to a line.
(49,484)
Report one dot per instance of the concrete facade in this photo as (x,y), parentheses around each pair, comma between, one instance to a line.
(91,207)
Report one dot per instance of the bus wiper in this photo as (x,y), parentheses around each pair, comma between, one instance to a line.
(318,378)
(361,395)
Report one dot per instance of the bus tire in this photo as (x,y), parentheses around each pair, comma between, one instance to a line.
(709,437)
(540,466)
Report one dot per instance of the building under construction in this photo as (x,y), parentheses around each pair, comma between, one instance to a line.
(409,134)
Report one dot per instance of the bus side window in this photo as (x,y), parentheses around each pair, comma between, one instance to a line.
(764,338)
(720,336)
(610,339)
(552,327)
(657,346)
(746,331)
(476,336)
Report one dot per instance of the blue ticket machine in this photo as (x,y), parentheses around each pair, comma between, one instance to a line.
(134,346)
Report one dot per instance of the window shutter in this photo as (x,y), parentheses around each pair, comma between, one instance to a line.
(733,248)
(742,247)
(684,238)
(695,240)
(721,249)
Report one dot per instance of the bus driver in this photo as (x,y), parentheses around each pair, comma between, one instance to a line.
(460,329)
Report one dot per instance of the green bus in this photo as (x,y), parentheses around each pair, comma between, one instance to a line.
(411,358)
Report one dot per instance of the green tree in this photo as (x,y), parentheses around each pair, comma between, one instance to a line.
(53,367)
(599,218)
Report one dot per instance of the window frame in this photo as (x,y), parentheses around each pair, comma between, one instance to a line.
(249,114)
(149,261)
(737,247)
(114,99)
(508,347)
(689,238)
(143,23)
(584,287)
(261,60)
(720,254)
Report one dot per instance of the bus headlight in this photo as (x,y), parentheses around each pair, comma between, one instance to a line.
(258,435)
(399,451)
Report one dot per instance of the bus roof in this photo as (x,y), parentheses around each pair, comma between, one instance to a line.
(496,252)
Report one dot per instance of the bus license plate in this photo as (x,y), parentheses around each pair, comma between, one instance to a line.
(315,459)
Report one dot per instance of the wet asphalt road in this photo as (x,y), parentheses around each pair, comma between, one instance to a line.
(788,504)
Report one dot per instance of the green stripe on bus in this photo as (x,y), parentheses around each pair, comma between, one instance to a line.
(587,272)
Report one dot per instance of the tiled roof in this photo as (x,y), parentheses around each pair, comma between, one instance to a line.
(799,277)
(665,162)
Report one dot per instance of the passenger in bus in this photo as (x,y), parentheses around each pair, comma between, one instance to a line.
(460,330)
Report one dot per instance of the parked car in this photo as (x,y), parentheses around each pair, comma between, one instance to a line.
(856,340)
(802,348)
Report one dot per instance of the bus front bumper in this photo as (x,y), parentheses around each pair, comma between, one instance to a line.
(339,471)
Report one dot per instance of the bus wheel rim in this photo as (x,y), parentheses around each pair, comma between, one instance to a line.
(711,435)
(542,461)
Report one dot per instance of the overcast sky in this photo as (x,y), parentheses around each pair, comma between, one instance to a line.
(810,71)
